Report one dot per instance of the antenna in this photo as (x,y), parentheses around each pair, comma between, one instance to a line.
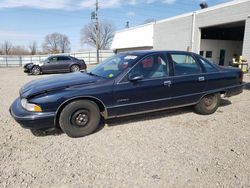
(203,5)
(127,24)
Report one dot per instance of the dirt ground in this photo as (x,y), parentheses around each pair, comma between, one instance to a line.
(175,148)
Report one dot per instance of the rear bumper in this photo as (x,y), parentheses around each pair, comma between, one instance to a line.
(235,90)
(31,120)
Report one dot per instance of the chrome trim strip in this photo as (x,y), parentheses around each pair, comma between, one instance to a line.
(157,100)
(148,111)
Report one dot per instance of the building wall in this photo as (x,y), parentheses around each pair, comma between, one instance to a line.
(133,49)
(231,48)
(173,34)
(226,14)
(184,32)
(139,36)
(246,43)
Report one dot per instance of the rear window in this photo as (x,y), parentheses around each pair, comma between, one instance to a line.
(208,66)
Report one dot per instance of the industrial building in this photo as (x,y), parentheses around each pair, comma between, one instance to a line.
(219,33)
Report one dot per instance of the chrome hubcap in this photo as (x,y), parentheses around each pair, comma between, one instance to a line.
(208,101)
(36,71)
(75,68)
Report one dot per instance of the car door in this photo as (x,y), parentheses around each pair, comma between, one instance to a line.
(189,80)
(50,64)
(63,63)
(146,87)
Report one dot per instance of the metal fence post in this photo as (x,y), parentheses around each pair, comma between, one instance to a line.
(20,61)
(6,60)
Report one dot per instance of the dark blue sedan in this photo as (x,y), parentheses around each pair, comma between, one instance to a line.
(125,84)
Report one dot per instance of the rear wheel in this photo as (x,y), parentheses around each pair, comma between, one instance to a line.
(36,70)
(74,68)
(208,104)
(79,118)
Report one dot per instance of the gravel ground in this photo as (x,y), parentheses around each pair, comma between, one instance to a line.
(175,148)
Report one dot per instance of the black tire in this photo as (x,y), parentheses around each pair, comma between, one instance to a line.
(208,104)
(74,68)
(79,118)
(36,70)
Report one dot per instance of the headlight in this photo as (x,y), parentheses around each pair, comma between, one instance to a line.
(30,107)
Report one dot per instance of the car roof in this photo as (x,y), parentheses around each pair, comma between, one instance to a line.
(149,52)
(60,56)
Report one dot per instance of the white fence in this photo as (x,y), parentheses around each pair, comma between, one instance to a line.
(89,57)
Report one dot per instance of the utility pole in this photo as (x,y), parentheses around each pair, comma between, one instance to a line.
(95,19)
(97,31)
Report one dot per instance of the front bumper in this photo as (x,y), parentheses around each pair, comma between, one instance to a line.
(26,70)
(31,120)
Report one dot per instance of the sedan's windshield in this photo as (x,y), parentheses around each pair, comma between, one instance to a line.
(113,66)
(46,60)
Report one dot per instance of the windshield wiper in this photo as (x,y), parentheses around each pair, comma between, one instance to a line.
(92,74)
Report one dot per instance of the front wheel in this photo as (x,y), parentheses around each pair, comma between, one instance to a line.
(208,104)
(79,118)
(36,70)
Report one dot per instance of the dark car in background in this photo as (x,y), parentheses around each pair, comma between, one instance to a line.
(55,64)
(125,84)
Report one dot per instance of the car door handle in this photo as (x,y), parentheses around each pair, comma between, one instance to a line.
(167,83)
(201,79)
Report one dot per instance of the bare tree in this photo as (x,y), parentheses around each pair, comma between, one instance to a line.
(19,50)
(6,48)
(33,48)
(56,43)
(88,35)
(64,43)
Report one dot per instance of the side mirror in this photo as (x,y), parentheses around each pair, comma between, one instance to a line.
(135,78)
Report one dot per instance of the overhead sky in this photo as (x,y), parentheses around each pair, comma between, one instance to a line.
(25,21)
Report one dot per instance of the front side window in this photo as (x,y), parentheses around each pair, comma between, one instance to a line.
(53,59)
(151,67)
(184,64)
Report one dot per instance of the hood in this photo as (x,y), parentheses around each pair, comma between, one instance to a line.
(56,82)
(27,64)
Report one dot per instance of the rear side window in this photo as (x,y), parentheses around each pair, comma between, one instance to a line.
(208,66)
(184,64)
(63,58)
